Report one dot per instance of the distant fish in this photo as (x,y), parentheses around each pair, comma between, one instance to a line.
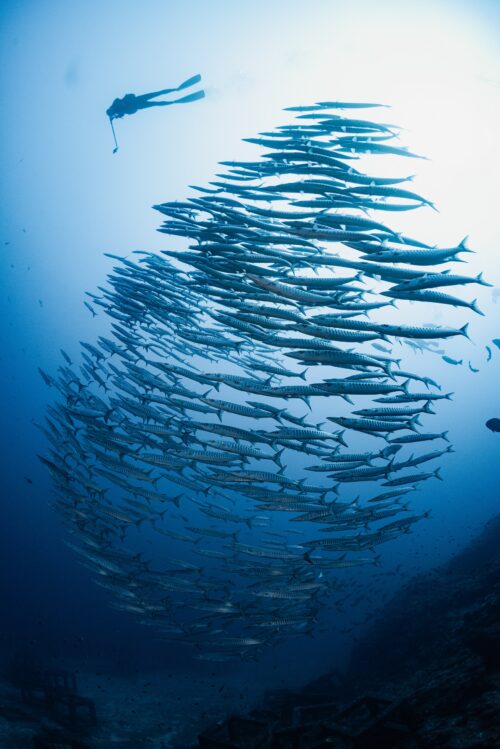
(45,377)
(449,360)
(493,425)
(473,369)
(90,308)
(65,355)
(489,354)
(381,348)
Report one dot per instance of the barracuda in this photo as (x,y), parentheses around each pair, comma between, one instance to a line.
(268,275)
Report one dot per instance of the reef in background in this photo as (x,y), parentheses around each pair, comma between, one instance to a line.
(426,675)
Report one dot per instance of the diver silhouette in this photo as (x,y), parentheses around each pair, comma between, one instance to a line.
(130,103)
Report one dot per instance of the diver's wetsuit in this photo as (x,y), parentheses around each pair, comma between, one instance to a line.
(130,104)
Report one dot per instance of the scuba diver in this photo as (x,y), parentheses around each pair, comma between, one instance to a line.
(130,103)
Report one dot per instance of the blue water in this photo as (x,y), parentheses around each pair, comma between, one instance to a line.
(66,199)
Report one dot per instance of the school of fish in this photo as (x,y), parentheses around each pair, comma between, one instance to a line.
(247,407)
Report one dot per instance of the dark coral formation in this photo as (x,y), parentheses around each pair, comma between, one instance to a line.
(426,676)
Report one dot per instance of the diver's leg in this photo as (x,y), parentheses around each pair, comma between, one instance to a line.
(146,104)
(153,94)
(186,84)
(183,100)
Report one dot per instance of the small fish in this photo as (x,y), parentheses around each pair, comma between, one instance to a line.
(449,360)
(66,357)
(91,309)
(493,425)
(45,377)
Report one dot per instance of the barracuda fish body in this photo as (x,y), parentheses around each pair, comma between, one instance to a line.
(373,425)
(417,477)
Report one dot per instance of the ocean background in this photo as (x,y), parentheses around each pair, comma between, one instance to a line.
(66,199)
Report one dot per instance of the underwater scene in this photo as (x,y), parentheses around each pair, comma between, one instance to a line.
(250,373)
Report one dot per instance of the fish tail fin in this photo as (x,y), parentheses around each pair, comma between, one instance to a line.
(340,438)
(462,246)
(277,457)
(413,422)
(464,329)
(449,396)
(303,374)
(176,500)
(480,280)
(475,308)
(437,474)
(388,468)
(444,436)
(427,408)
(307,557)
